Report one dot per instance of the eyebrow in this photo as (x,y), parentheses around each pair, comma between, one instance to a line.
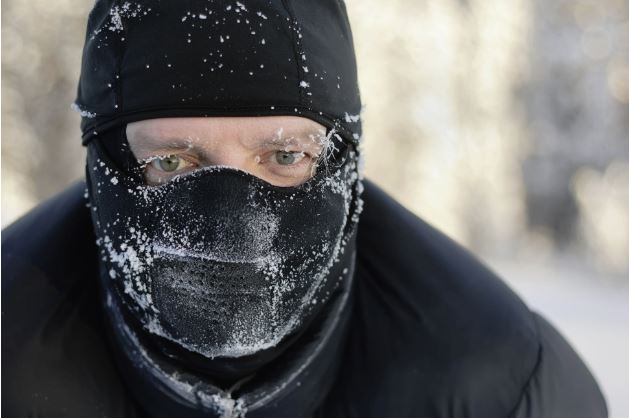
(260,141)
(284,141)
(170,144)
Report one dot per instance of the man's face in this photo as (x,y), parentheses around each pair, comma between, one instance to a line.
(282,150)
(220,254)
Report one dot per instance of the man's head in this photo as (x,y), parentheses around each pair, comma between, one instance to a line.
(222,173)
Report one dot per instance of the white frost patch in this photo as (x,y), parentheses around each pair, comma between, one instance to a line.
(162,250)
(304,84)
(84,113)
(352,118)
(132,258)
(118,13)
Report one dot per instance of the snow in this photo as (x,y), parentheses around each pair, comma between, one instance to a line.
(351,118)
(116,14)
(84,113)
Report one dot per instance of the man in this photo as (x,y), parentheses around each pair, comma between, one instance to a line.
(232,261)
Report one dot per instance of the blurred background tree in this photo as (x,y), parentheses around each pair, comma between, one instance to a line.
(505,123)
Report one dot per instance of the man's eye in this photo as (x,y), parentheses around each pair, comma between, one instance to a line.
(168,164)
(288,157)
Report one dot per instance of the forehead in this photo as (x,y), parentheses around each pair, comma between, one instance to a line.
(237,126)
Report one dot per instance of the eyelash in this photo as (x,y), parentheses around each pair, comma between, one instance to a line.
(304,158)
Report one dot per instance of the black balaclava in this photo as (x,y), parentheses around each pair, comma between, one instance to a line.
(226,295)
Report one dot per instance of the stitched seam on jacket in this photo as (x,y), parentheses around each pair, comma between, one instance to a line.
(527,385)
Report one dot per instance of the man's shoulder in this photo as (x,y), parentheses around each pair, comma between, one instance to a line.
(449,328)
(439,334)
(56,229)
(431,277)
(53,339)
(51,246)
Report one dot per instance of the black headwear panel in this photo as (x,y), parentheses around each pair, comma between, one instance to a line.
(147,59)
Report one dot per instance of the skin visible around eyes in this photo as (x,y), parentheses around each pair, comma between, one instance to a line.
(282,150)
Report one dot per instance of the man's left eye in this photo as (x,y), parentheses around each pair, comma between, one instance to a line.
(169,164)
(288,157)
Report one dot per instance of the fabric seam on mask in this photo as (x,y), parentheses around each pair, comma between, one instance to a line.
(300,74)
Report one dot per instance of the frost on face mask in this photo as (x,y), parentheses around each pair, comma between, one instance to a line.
(219,261)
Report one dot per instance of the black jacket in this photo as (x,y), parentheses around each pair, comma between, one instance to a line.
(433,333)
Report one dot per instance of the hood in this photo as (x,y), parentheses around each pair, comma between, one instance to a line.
(148,59)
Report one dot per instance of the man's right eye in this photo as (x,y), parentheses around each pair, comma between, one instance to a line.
(160,170)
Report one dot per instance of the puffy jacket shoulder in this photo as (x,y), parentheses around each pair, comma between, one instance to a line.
(55,359)
(437,334)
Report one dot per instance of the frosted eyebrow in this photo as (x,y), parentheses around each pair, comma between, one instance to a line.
(148,146)
(301,138)
(147,139)
(149,143)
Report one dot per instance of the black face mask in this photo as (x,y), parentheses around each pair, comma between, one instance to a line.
(218,269)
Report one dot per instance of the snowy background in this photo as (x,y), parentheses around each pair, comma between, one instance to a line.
(505,123)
